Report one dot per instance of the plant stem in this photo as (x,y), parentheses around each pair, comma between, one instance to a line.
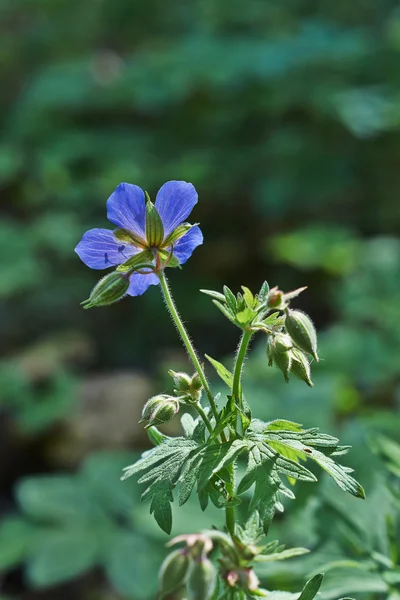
(237,373)
(190,350)
(236,393)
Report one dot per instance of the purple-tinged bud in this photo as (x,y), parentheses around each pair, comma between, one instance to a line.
(275,298)
(109,289)
(159,409)
(202,579)
(300,366)
(173,571)
(302,331)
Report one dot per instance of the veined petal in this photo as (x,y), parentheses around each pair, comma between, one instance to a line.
(139,283)
(100,249)
(175,201)
(126,208)
(184,247)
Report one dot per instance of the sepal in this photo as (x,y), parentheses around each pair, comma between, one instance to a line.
(110,289)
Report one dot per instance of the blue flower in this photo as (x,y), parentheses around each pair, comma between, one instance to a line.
(128,210)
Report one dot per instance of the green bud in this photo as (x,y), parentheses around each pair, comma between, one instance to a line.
(182,381)
(202,580)
(159,409)
(302,331)
(173,571)
(196,383)
(275,297)
(154,226)
(283,360)
(108,290)
(282,343)
(301,367)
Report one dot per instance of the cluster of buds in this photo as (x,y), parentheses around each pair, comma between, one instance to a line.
(188,573)
(288,349)
(187,388)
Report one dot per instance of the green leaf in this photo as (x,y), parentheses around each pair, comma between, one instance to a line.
(245,316)
(283,555)
(311,588)
(248,298)
(155,435)
(161,498)
(61,555)
(131,571)
(16,536)
(216,295)
(222,371)
(263,293)
(54,498)
(230,299)
(225,310)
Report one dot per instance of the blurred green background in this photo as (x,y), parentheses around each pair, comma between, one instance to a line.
(286,118)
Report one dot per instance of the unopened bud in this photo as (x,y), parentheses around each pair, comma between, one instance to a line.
(173,571)
(275,298)
(182,381)
(283,360)
(248,580)
(302,331)
(282,343)
(202,580)
(301,367)
(108,290)
(159,409)
(196,382)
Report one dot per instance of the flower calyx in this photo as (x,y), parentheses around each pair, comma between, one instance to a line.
(159,410)
(187,388)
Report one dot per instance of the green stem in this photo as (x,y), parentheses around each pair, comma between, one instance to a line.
(237,373)
(189,348)
(236,393)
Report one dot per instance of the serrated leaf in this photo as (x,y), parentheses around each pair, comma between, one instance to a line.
(263,293)
(311,588)
(160,506)
(245,316)
(222,371)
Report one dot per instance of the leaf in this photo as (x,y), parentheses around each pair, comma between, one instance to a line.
(225,311)
(283,555)
(54,498)
(222,371)
(311,588)
(230,299)
(216,295)
(16,536)
(248,297)
(244,316)
(263,293)
(130,570)
(62,555)
(188,424)
(155,435)
(161,498)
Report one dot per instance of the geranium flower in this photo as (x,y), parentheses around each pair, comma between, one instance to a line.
(158,232)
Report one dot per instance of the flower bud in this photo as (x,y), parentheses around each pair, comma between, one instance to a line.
(282,343)
(275,298)
(182,381)
(159,409)
(283,360)
(300,366)
(248,580)
(108,290)
(302,331)
(202,580)
(196,383)
(173,571)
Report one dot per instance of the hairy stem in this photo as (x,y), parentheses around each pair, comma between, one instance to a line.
(236,393)
(237,373)
(189,348)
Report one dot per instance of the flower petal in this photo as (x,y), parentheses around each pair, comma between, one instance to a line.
(139,283)
(184,247)
(175,201)
(126,208)
(100,249)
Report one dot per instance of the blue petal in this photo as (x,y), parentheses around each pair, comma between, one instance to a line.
(184,247)
(139,283)
(100,249)
(126,208)
(175,201)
